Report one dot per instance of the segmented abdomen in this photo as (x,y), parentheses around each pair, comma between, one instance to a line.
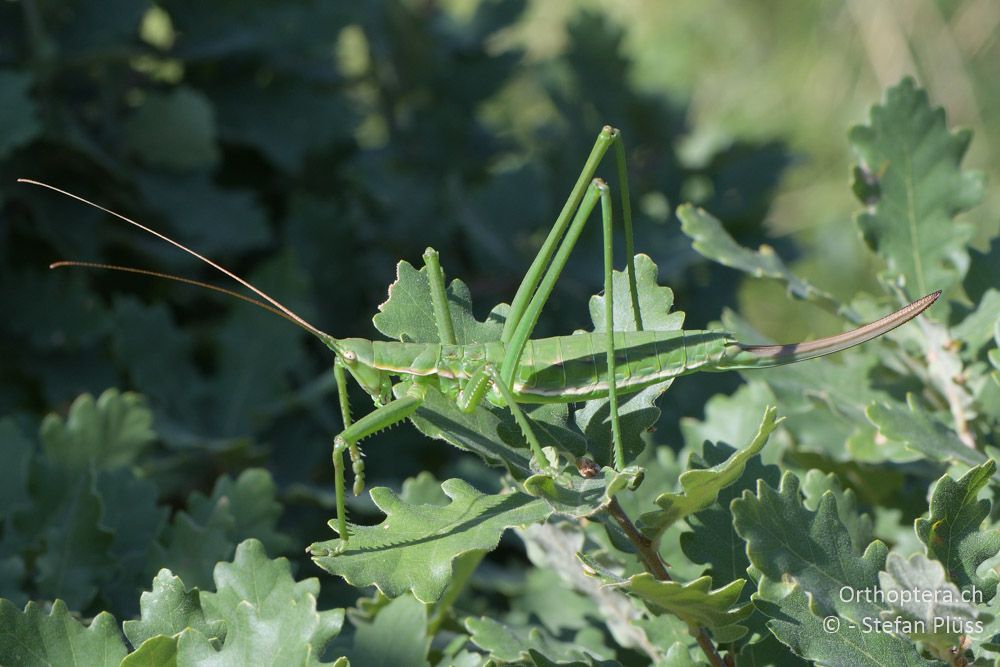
(574,368)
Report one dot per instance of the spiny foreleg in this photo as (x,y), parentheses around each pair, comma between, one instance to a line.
(382,417)
(357,462)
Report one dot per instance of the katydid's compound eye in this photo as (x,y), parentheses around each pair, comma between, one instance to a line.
(350,357)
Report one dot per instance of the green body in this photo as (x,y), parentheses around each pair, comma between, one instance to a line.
(567,369)
(561,369)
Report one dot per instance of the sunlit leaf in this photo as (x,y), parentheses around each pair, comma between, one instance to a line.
(637,412)
(413,548)
(839,642)
(700,487)
(581,496)
(953,532)
(776,524)
(941,615)
(168,609)
(712,240)
(910,182)
(712,539)
(921,432)
(408,313)
(695,602)
(816,485)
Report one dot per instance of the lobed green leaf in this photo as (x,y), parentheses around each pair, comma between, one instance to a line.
(921,432)
(412,550)
(919,591)
(711,239)
(33,637)
(269,617)
(573,495)
(712,539)
(111,431)
(210,529)
(816,486)
(408,315)
(695,602)
(167,610)
(637,412)
(787,542)
(954,534)
(909,179)
(836,643)
(701,487)
(532,646)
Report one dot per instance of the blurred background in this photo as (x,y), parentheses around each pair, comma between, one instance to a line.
(311,145)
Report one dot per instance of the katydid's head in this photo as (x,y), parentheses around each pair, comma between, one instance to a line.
(358,356)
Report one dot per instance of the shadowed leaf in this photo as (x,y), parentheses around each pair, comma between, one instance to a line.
(33,637)
(269,617)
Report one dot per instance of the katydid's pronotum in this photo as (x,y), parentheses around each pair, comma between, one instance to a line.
(516,370)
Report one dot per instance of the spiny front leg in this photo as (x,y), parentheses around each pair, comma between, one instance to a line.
(382,417)
(357,463)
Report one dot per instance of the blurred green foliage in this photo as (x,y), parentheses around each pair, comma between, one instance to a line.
(309,146)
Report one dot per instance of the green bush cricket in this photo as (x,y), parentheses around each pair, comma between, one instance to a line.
(518,370)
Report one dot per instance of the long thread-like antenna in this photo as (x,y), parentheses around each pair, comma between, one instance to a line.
(287,312)
(169,276)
